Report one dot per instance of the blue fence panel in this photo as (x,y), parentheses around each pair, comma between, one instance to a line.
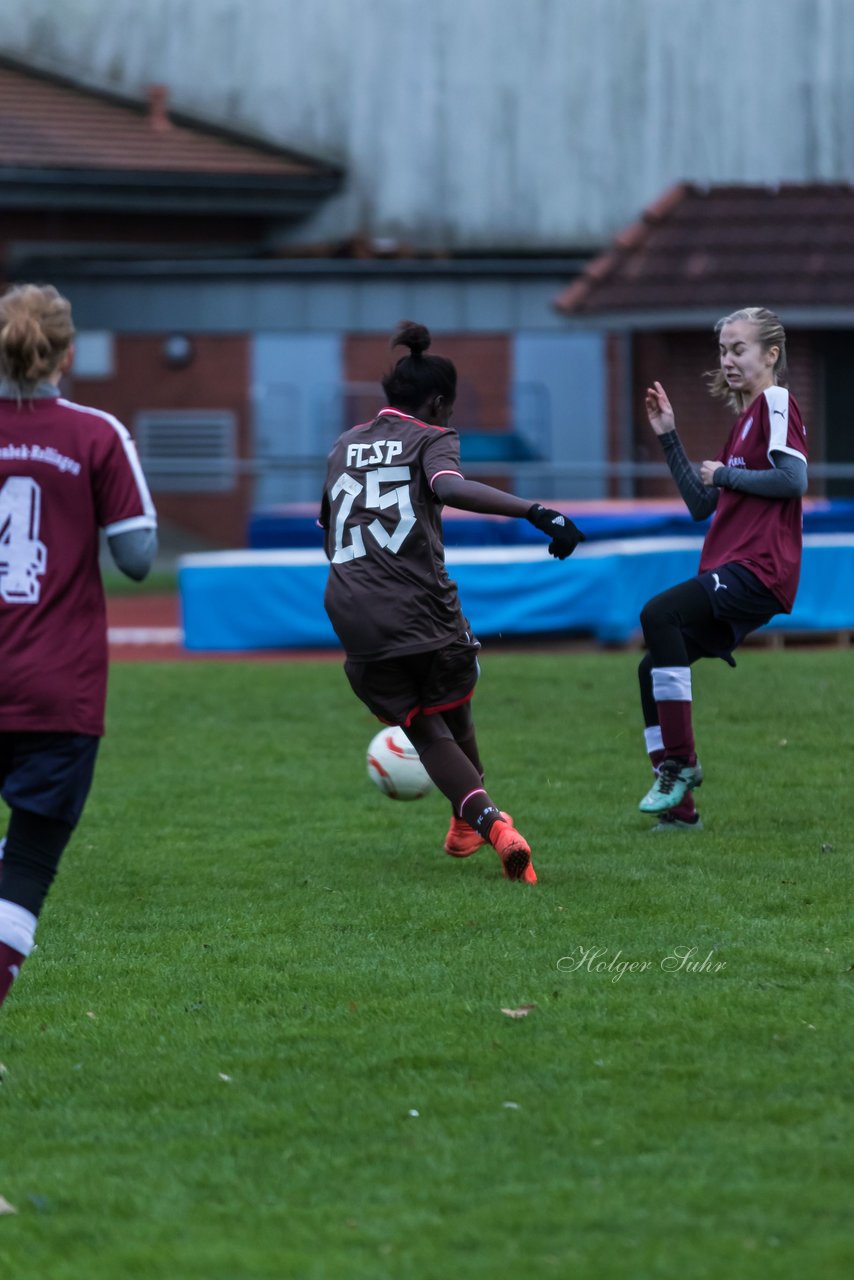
(246,600)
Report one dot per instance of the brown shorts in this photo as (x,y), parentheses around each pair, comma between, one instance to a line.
(396,689)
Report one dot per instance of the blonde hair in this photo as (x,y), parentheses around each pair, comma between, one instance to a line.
(769,333)
(35,332)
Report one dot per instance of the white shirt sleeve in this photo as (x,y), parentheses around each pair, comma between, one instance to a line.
(777,399)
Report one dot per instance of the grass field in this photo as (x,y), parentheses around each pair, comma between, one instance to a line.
(157,582)
(262,1033)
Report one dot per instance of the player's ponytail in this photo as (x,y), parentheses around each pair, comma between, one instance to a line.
(35,332)
(414,336)
(418,378)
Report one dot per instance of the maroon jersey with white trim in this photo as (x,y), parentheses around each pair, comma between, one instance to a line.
(763,534)
(388,591)
(66,471)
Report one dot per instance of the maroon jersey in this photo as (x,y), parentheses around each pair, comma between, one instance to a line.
(66,471)
(763,534)
(388,592)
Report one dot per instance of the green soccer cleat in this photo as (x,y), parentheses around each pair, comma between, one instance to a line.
(674,779)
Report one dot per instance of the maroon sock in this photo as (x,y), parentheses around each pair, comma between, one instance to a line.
(677,730)
(10,964)
(685,810)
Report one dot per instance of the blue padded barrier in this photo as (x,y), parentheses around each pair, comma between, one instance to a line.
(295,525)
(250,600)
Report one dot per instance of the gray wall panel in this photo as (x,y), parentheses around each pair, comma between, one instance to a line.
(559,406)
(377,308)
(482,123)
(159,303)
(296,411)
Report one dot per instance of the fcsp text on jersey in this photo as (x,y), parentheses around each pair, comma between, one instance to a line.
(368,455)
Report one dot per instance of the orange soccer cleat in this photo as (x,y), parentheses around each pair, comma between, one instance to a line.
(514,852)
(530,876)
(462,840)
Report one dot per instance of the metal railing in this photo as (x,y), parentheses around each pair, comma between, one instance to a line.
(261,464)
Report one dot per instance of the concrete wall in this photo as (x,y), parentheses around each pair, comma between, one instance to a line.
(486,123)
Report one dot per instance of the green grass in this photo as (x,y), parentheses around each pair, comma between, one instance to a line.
(239,902)
(158,581)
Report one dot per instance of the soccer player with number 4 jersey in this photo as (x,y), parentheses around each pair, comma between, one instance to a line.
(751,558)
(411,657)
(66,472)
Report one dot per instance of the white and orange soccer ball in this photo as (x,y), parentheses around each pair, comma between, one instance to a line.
(394,767)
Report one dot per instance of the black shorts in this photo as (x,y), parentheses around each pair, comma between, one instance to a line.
(397,689)
(740,603)
(48,773)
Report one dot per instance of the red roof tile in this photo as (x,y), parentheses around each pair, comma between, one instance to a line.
(47,122)
(700,247)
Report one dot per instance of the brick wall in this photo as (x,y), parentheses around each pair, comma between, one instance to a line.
(217,378)
(483,373)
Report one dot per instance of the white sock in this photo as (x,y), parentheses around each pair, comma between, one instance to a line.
(17,927)
(671,684)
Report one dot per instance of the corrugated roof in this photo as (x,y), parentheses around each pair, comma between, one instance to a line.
(700,247)
(48,122)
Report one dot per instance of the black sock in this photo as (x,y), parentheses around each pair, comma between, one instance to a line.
(479,812)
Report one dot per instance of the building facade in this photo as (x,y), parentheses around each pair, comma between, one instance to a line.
(472,125)
(236,377)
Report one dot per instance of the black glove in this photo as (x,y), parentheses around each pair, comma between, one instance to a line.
(565,536)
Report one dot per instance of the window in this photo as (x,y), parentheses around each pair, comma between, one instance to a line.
(184,451)
(93,354)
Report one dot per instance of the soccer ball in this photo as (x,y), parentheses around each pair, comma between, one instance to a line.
(394,767)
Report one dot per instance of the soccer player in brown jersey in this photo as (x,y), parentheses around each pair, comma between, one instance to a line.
(411,656)
(66,472)
(751,557)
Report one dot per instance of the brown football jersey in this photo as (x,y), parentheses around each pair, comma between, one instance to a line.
(388,592)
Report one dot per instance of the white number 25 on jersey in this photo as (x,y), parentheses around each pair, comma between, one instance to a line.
(22,557)
(376,499)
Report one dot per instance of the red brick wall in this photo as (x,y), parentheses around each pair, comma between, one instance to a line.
(678,361)
(217,378)
(483,373)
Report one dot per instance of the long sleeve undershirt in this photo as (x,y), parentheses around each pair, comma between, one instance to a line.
(787,478)
(133,551)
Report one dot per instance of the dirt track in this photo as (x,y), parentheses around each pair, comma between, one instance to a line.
(147,628)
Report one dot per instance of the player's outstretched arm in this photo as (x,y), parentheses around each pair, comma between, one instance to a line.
(470,495)
(659,410)
(700,500)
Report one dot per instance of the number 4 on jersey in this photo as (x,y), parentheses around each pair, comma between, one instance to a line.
(23,558)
